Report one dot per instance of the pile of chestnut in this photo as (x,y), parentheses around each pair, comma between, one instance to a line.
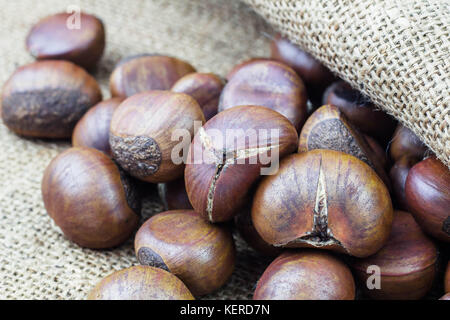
(357,199)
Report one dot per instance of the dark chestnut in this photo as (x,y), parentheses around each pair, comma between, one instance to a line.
(205,88)
(227,155)
(46,99)
(314,74)
(407,262)
(59,37)
(146,72)
(406,144)
(398,174)
(306,275)
(140,283)
(202,255)
(92,130)
(173,195)
(360,111)
(142,129)
(427,191)
(324,199)
(90,199)
(266,83)
(328,128)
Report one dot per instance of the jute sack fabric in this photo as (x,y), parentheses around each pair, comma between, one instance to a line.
(36,260)
(395,51)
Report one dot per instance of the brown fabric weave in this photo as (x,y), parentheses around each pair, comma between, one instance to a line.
(395,51)
(36,260)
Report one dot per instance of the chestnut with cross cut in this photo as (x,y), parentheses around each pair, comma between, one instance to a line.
(227,155)
(324,199)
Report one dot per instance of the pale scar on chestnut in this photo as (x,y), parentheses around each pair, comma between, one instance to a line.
(223,159)
(138,155)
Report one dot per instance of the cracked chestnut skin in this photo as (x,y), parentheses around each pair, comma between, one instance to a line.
(50,38)
(140,283)
(146,72)
(92,131)
(201,254)
(141,133)
(360,111)
(217,185)
(328,128)
(406,144)
(407,262)
(427,191)
(324,199)
(45,99)
(315,75)
(205,88)
(306,275)
(266,83)
(87,196)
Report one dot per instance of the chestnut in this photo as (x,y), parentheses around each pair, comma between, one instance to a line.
(202,255)
(45,99)
(173,195)
(378,151)
(427,190)
(306,275)
(146,72)
(314,74)
(227,155)
(398,174)
(360,111)
(406,144)
(51,38)
(93,202)
(328,128)
(324,199)
(244,225)
(266,83)
(205,88)
(407,262)
(92,130)
(141,133)
(140,283)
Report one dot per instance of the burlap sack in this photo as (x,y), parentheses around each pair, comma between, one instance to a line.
(407,78)
(395,51)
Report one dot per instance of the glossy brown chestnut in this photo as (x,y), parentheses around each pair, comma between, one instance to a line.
(315,75)
(92,130)
(205,88)
(90,199)
(141,134)
(83,44)
(244,225)
(173,195)
(202,255)
(266,83)
(407,262)
(324,199)
(46,99)
(328,128)
(447,278)
(427,190)
(306,275)
(227,155)
(360,111)
(140,283)
(398,174)
(406,144)
(146,72)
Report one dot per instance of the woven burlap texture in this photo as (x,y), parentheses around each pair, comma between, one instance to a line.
(36,260)
(395,51)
